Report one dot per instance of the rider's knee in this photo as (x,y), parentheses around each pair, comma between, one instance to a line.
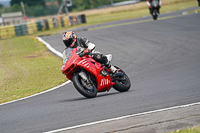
(100,58)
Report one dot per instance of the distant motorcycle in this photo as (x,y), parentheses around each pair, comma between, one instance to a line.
(155,6)
(89,76)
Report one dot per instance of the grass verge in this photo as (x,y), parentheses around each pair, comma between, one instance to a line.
(188,130)
(26,68)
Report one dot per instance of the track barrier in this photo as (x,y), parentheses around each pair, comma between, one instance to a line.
(40,25)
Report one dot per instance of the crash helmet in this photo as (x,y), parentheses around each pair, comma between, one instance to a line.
(69,39)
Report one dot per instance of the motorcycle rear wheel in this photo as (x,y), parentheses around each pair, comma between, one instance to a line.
(123,84)
(89,91)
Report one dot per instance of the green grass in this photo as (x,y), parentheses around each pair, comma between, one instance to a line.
(188,130)
(26,68)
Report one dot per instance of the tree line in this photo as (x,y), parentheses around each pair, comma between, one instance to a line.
(36,8)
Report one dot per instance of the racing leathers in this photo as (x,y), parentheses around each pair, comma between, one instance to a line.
(149,3)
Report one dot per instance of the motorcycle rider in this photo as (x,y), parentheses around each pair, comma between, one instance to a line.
(84,46)
(149,2)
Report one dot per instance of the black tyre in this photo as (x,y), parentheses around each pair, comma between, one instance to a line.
(123,83)
(87,90)
(155,16)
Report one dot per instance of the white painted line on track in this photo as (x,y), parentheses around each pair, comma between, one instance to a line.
(49,47)
(57,53)
(122,117)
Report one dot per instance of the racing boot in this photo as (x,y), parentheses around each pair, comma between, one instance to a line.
(112,68)
(115,72)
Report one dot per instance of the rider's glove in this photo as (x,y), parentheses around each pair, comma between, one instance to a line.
(85,52)
(150,6)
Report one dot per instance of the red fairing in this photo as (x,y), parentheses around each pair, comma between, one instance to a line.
(71,66)
(104,83)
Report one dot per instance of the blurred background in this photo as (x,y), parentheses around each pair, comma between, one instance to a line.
(38,8)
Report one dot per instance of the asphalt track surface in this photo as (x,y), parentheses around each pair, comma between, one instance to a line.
(161,58)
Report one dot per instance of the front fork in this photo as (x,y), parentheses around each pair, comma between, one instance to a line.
(85,81)
(83,75)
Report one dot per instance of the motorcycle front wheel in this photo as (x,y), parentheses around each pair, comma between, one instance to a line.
(87,90)
(155,14)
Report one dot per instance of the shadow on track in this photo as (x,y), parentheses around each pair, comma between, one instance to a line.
(98,96)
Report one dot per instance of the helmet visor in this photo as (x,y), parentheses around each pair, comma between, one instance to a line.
(69,42)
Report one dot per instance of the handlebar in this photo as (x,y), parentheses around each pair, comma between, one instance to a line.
(90,53)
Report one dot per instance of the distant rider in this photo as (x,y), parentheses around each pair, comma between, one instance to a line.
(198,2)
(83,45)
(149,3)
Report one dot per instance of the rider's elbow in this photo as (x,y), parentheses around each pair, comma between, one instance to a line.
(91,46)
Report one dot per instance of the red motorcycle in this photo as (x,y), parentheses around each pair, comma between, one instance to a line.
(90,77)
